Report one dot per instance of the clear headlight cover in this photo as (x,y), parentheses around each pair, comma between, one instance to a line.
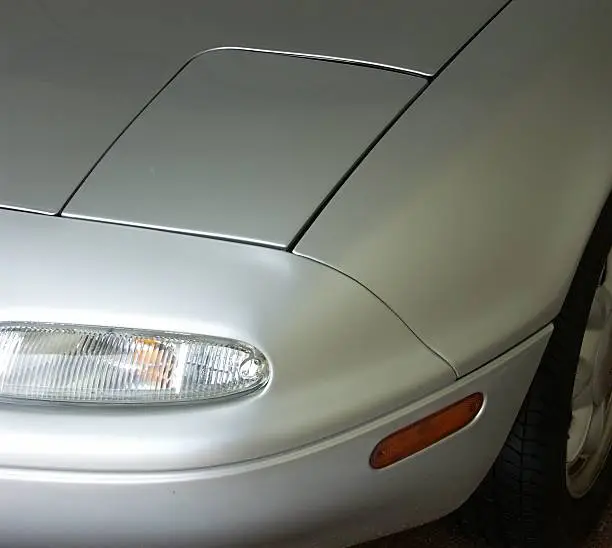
(80,364)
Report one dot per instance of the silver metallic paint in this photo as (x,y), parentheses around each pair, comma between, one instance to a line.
(469,217)
(322,495)
(73,73)
(339,357)
(243,145)
(495,125)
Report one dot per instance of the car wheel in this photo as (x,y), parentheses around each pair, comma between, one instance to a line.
(552,478)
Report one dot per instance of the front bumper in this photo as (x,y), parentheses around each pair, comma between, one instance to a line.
(322,494)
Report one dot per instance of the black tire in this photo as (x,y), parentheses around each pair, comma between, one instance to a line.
(524,500)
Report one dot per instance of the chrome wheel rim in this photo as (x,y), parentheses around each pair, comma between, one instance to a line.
(590,432)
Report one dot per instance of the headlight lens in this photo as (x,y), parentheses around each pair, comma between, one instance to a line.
(65,363)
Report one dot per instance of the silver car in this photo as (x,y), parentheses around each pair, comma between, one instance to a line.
(303,273)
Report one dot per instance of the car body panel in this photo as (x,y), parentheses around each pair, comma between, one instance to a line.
(323,494)
(469,217)
(327,339)
(433,273)
(243,145)
(75,73)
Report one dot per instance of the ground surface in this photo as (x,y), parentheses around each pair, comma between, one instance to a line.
(441,535)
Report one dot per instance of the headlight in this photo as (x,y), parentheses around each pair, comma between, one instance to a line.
(67,363)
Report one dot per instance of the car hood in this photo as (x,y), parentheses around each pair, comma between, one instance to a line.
(75,74)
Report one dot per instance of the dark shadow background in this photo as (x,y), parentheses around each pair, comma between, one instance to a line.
(443,534)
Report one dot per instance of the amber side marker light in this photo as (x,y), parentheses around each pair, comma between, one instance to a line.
(426,432)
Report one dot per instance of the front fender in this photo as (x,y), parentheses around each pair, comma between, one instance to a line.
(470,216)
